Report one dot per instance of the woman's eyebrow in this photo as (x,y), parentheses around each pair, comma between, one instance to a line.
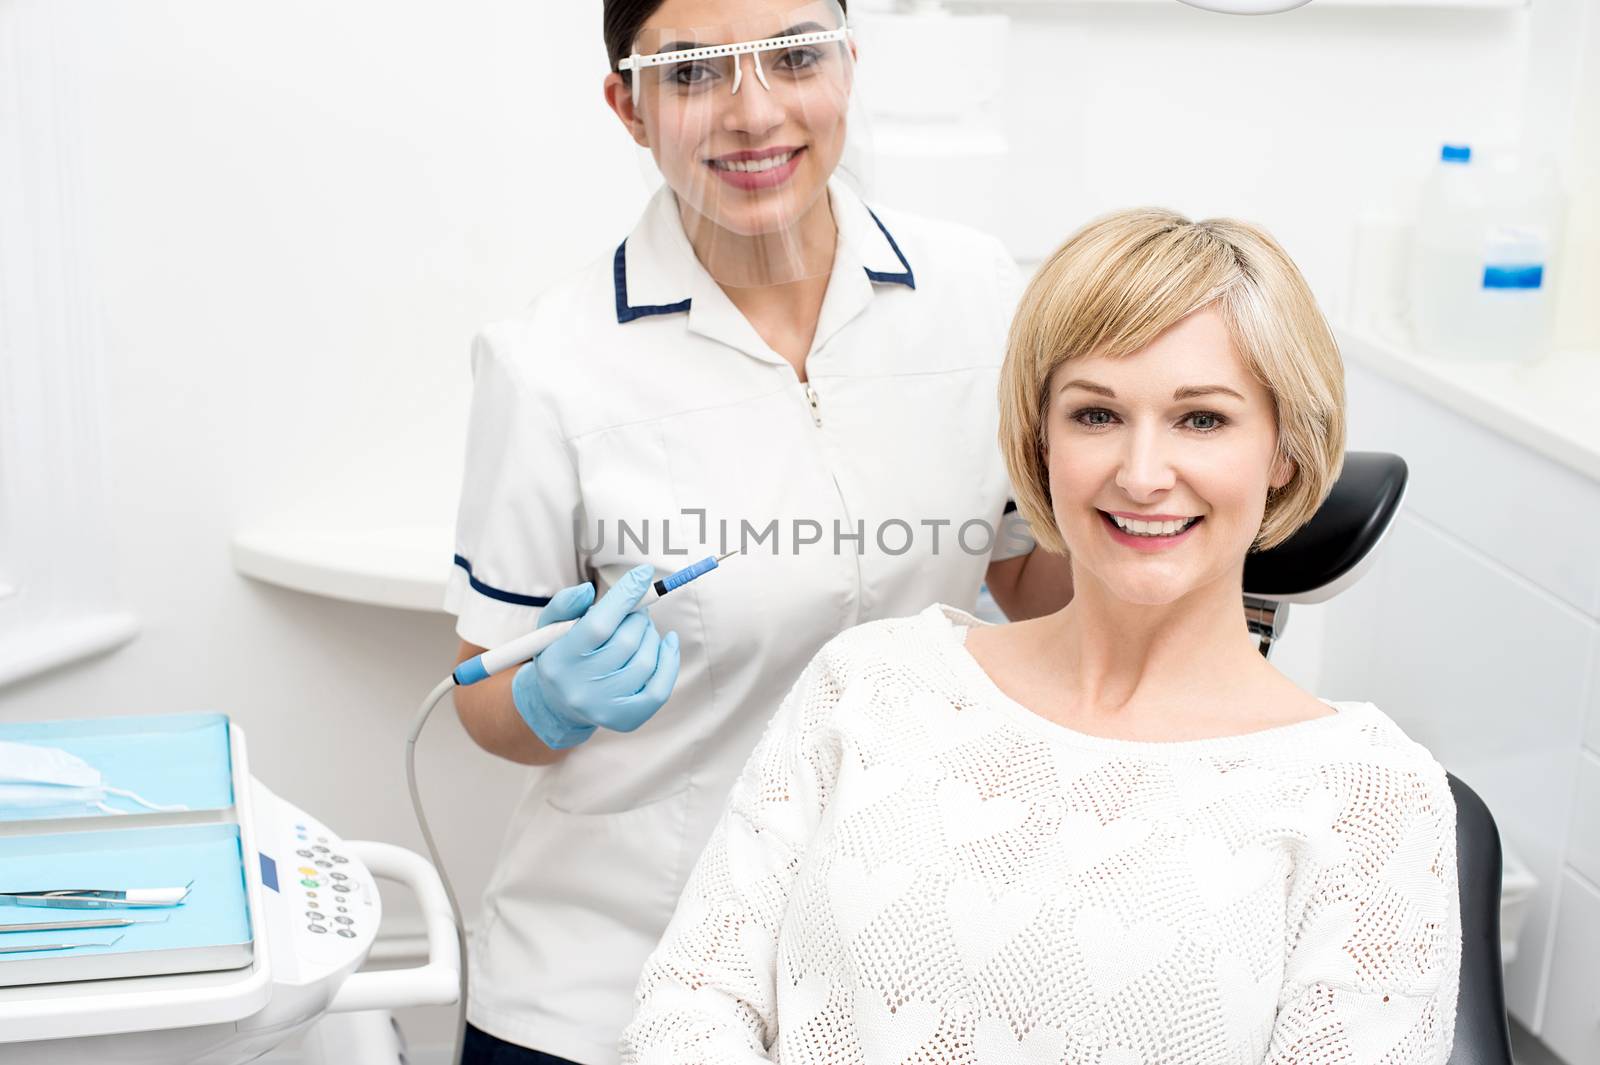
(1191,391)
(1088,386)
(1186,392)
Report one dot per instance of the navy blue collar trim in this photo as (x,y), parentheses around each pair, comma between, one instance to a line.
(906,278)
(495,593)
(626,312)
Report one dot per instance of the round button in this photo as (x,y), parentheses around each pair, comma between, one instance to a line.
(341,888)
(319,929)
(316,915)
(322,839)
(341,859)
(347,933)
(309,883)
(303,853)
(345,920)
(342,909)
(306,870)
(340,876)
(320,849)
(320,864)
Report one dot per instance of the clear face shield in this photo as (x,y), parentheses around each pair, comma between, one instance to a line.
(747,121)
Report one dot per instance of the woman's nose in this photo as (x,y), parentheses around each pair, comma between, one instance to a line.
(1146,469)
(754,109)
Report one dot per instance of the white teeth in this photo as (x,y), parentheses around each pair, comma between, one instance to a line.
(1152,528)
(753,166)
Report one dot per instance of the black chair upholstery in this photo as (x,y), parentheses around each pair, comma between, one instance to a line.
(1328,552)
(1482,1034)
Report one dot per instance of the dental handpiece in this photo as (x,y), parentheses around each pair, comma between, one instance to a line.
(525,648)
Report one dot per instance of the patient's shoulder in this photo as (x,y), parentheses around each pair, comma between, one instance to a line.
(1378,763)
(926,636)
(1374,734)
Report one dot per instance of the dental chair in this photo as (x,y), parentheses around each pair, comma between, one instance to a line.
(1329,553)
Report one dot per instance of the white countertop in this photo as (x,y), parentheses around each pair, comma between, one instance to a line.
(376,562)
(1551,406)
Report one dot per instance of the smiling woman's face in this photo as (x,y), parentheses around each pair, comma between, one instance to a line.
(755,159)
(1178,440)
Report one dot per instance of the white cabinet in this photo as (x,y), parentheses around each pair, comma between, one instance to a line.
(1583,851)
(1478,631)
(1572,1012)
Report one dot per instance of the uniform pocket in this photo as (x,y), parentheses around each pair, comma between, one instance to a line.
(579,903)
(620,863)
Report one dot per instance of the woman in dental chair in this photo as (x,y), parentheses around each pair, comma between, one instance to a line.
(1114,834)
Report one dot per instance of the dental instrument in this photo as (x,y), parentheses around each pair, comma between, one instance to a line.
(478,668)
(76,925)
(91,899)
(526,648)
(36,948)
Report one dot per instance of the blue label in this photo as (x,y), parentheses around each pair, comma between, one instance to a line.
(269,871)
(1513,276)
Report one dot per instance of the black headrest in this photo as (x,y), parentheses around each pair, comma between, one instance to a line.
(1335,547)
(1482,1037)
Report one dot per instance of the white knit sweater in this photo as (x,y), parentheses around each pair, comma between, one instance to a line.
(915,869)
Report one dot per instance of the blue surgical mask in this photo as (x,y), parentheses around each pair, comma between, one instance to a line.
(34,777)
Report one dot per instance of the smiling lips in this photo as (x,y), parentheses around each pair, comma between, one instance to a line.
(1150,532)
(759,169)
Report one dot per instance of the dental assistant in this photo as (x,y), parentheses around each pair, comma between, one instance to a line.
(765,363)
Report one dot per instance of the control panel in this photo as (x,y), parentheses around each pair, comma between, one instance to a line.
(326,904)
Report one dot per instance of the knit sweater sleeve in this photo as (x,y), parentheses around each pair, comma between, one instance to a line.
(708,993)
(1372,967)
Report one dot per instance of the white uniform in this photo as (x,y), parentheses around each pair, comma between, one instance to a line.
(638,392)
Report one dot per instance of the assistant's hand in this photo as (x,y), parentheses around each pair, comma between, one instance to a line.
(613,670)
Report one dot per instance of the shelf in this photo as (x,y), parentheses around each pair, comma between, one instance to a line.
(1551,406)
(54,644)
(393,566)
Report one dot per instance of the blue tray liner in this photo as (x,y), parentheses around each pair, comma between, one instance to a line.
(216,912)
(181,759)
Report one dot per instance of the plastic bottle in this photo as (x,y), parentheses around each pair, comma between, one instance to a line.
(1486,241)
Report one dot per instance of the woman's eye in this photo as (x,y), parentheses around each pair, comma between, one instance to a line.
(795,60)
(688,74)
(1093,417)
(1205,421)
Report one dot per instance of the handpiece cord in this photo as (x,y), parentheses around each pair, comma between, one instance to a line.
(423,713)
(471,671)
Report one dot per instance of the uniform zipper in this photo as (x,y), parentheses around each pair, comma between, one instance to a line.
(816,418)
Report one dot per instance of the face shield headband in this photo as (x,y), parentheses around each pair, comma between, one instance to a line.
(634,63)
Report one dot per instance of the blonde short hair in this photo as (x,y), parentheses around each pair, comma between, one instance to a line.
(1122,280)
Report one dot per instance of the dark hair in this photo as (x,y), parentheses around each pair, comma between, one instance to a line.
(623,19)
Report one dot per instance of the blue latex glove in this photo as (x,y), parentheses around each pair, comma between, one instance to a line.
(613,670)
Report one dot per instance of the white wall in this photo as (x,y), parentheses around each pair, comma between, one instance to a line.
(298,213)
(1296,121)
